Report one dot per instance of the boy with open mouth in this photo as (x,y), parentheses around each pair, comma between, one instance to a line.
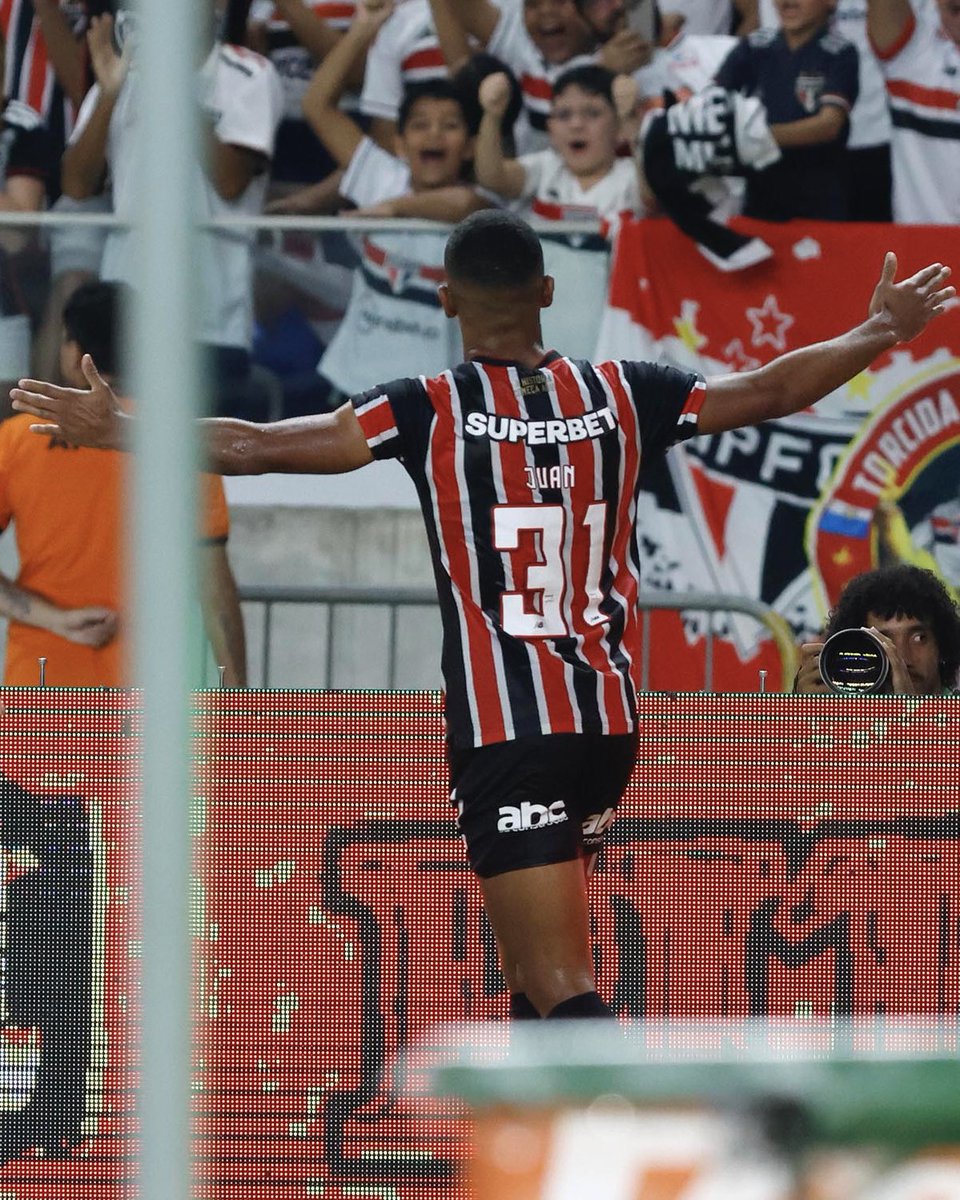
(580,174)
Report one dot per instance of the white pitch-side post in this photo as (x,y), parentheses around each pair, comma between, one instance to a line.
(166,386)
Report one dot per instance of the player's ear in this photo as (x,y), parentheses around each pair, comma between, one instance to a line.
(546,291)
(447,302)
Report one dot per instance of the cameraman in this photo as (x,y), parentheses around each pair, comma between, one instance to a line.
(912,615)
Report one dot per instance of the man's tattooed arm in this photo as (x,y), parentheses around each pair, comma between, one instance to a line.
(92,625)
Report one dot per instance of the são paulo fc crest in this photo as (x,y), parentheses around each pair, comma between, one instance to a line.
(889,492)
(808,90)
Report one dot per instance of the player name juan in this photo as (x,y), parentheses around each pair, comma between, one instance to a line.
(541,433)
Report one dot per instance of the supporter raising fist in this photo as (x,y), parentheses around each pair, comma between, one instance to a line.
(495,94)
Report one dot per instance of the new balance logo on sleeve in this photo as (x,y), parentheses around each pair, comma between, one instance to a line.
(530,816)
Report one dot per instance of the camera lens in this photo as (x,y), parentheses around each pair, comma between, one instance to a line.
(853,662)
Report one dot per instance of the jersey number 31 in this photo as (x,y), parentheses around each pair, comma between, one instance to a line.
(542,604)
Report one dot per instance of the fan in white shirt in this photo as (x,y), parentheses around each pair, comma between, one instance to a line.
(405,51)
(919,52)
(580,173)
(394,312)
(538,40)
(240,92)
(296,35)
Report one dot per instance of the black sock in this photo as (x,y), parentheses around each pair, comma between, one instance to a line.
(521,1009)
(587,1004)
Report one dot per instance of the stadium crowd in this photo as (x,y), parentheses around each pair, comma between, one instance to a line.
(699,110)
(590,110)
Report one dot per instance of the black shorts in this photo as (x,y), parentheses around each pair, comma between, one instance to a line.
(538,800)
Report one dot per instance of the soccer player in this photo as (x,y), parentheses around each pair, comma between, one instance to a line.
(527,466)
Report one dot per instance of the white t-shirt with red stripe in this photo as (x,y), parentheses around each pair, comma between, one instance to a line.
(405,51)
(922,73)
(241,92)
(294,63)
(394,322)
(939,534)
(555,193)
(28,72)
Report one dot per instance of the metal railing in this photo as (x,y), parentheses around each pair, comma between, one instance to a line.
(393,599)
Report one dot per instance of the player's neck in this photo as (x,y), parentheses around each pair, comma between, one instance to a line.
(528,354)
(519,342)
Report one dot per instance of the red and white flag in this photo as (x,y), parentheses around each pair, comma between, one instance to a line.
(787,512)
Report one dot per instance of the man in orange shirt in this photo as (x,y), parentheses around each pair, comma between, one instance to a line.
(69,508)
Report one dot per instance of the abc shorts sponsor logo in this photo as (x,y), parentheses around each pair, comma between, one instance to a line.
(598,823)
(530,816)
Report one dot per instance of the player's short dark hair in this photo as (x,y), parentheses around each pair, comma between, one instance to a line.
(903,590)
(494,248)
(430,89)
(590,78)
(93,319)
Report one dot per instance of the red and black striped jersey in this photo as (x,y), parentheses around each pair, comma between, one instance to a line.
(528,482)
(28,74)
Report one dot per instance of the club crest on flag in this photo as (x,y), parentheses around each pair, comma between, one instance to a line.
(891,495)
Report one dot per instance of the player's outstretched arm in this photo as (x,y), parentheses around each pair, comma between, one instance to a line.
(325,444)
(322,444)
(897,313)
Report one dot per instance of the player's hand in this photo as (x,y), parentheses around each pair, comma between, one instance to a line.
(913,303)
(809,681)
(625,52)
(82,417)
(109,68)
(494,94)
(88,626)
